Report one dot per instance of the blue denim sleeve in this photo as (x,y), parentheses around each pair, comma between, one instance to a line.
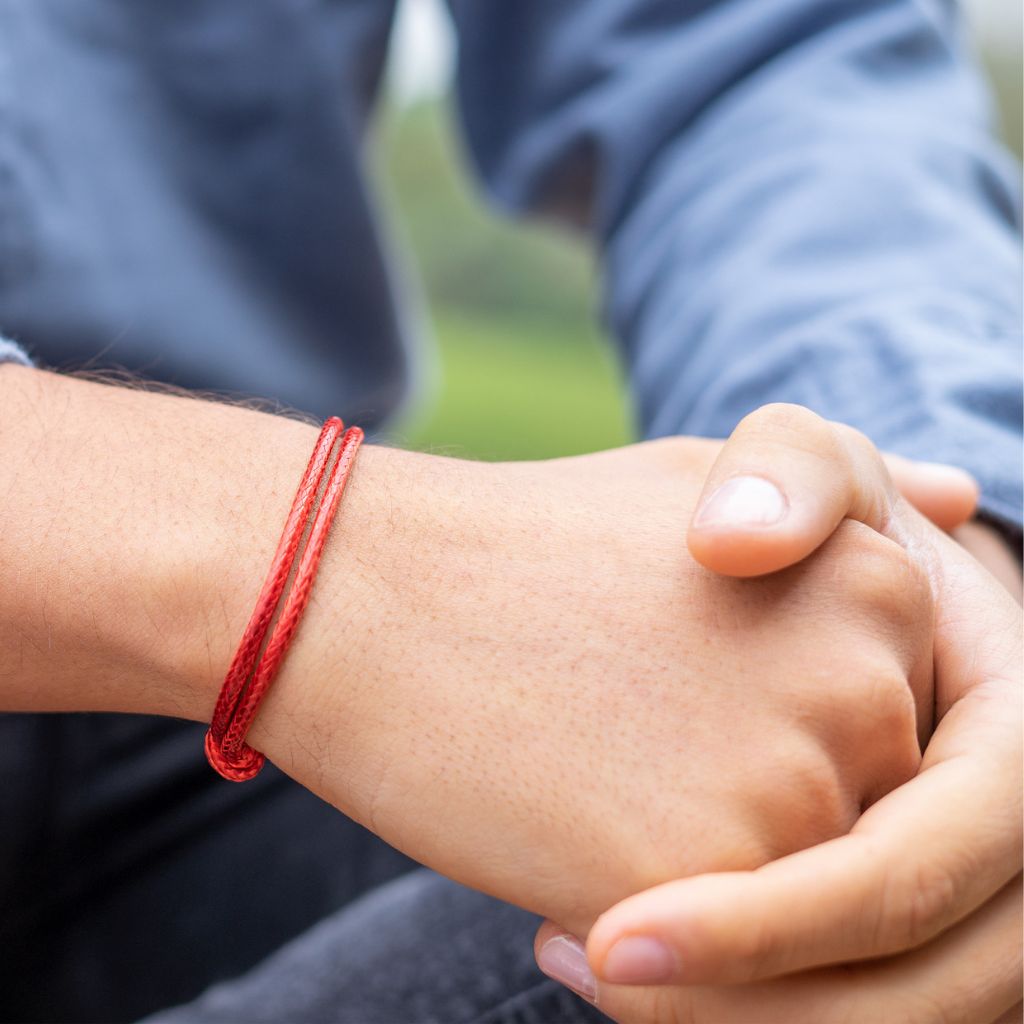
(793,201)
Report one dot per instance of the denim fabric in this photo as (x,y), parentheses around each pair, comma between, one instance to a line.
(132,877)
(420,950)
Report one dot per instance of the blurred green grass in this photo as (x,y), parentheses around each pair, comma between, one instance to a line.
(516,390)
(1004,71)
(525,371)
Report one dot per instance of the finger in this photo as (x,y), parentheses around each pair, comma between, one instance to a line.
(887,887)
(562,956)
(945,495)
(916,862)
(780,486)
(971,974)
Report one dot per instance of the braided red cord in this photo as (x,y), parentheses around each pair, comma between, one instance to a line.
(250,676)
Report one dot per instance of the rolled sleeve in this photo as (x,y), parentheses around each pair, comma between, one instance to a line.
(793,201)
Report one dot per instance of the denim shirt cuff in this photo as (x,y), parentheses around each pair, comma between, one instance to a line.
(11,353)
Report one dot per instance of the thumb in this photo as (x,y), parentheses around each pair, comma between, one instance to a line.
(786,478)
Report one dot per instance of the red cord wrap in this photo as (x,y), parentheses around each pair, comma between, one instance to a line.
(250,675)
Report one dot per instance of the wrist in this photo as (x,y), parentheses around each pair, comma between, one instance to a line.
(336,718)
(135,528)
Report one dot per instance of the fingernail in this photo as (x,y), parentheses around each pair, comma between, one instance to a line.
(743,501)
(639,960)
(564,959)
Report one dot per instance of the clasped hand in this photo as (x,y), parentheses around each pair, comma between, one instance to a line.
(918,899)
(521,675)
(559,705)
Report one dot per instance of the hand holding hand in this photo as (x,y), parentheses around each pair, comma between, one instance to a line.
(923,894)
(537,654)
(516,673)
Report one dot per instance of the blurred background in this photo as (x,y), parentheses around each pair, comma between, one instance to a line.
(520,369)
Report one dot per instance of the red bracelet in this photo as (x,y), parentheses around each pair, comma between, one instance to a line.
(255,663)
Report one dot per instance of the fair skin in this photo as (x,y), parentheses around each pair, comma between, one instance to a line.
(501,665)
(921,900)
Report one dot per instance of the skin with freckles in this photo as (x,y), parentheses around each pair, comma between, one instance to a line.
(516,673)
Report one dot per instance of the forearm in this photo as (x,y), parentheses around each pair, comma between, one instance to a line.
(499,666)
(795,202)
(135,529)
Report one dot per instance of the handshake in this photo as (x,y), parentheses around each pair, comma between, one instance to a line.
(790,797)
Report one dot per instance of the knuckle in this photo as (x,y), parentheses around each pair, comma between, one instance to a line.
(815,804)
(787,420)
(805,799)
(923,1008)
(882,576)
(927,908)
(756,951)
(662,1005)
(886,703)
(672,1006)
(856,440)
(917,586)
(907,604)
(874,499)
(870,728)
(917,904)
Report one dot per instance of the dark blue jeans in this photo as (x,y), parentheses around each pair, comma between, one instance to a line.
(132,879)
(419,949)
